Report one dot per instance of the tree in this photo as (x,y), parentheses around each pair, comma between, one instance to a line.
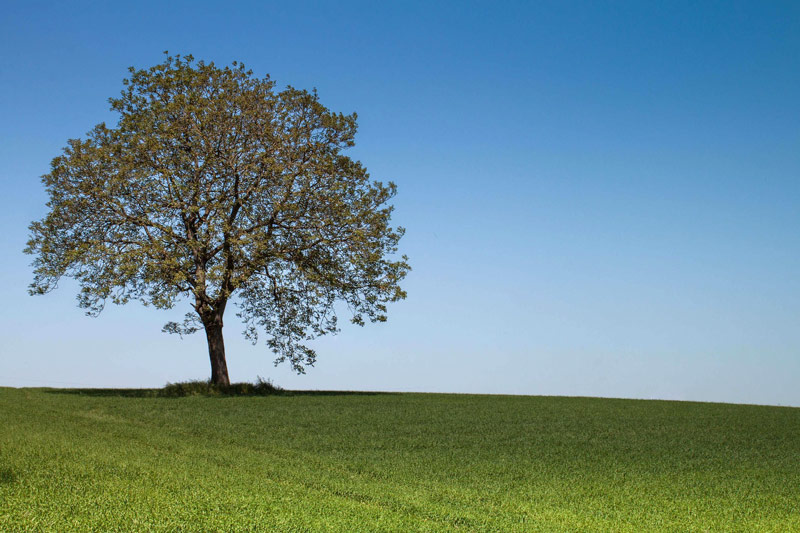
(214,186)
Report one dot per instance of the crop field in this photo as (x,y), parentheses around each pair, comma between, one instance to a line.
(115,460)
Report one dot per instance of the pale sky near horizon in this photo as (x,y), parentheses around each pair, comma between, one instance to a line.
(601,198)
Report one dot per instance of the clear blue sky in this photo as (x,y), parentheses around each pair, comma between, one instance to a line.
(600,198)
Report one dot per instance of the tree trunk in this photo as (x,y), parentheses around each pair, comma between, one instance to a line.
(216,352)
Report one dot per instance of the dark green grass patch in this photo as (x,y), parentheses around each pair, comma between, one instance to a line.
(206,388)
(133,461)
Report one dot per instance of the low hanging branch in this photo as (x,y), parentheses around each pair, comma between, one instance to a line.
(214,186)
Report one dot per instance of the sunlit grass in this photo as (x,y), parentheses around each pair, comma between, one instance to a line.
(129,460)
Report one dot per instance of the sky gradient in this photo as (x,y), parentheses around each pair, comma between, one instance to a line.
(600,199)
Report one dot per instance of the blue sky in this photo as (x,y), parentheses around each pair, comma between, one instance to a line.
(601,198)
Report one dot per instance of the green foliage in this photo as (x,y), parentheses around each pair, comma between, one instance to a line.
(113,460)
(207,388)
(213,185)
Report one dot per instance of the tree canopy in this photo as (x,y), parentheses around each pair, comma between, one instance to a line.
(216,187)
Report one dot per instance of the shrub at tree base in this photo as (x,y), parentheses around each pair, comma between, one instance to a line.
(208,388)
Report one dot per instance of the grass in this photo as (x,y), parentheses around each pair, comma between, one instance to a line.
(206,388)
(292,461)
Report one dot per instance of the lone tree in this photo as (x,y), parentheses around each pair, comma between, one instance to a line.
(215,186)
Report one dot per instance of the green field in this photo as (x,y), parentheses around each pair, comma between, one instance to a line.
(116,460)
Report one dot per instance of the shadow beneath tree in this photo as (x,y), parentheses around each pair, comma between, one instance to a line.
(122,393)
